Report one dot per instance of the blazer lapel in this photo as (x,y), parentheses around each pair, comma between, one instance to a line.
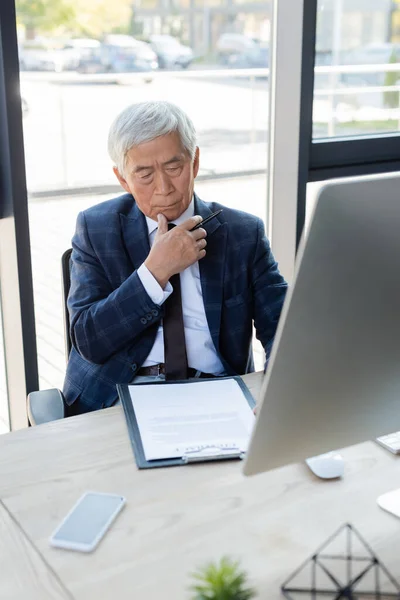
(212,270)
(135,235)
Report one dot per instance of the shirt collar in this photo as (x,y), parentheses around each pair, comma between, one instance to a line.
(189,212)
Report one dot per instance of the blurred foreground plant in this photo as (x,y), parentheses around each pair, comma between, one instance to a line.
(225,580)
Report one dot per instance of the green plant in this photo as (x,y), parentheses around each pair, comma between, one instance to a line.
(225,580)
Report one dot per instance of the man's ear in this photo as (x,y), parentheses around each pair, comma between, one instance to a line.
(196,162)
(121,180)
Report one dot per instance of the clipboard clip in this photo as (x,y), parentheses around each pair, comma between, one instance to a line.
(211,452)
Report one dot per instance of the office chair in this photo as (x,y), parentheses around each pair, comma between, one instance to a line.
(48,405)
(66,284)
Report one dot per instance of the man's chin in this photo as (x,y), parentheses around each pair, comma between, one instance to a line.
(171,212)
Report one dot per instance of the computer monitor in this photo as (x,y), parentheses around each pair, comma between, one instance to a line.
(334,375)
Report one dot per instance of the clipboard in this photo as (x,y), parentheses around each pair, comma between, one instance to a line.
(192,454)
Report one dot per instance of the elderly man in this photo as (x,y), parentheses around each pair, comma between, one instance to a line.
(150,297)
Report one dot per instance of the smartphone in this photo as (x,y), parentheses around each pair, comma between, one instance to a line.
(87,521)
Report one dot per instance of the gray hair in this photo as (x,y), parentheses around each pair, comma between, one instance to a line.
(144,122)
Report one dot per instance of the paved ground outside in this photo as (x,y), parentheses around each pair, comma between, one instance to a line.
(52,224)
(66,127)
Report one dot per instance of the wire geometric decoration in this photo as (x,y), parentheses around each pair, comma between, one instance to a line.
(343,568)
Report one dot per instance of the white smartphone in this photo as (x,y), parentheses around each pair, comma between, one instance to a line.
(87,521)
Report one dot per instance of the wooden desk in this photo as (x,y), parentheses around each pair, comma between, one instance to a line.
(178,518)
(23,572)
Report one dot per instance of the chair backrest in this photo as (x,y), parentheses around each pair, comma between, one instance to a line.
(66,284)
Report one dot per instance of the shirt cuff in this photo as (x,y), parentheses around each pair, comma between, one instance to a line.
(152,287)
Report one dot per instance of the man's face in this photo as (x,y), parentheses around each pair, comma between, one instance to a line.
(160,176)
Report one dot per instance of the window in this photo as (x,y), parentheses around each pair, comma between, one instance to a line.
(214,59)
(211,61)
(357,74)
(17,335)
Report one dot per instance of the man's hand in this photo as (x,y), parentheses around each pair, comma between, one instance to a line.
(173,251)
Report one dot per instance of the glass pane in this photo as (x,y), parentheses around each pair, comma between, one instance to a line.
(210,58)
(215,66)
(52,223)
(357,73)
(4,415)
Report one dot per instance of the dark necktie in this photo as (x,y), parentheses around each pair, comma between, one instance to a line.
(175,358)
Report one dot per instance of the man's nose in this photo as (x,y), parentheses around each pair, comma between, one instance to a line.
(163,184)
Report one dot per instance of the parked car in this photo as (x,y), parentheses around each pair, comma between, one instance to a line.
(240,51)
(256,57)
(322,59)
(372,54)
(119,54)
(359,98)
(44,54)
(79,49)
(170,52)
(233,43)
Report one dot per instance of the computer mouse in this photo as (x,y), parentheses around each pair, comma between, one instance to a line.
(326,466)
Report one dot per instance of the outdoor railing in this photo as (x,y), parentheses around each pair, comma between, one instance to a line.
(335,103)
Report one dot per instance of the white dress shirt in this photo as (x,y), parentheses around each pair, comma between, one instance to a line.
(200,349)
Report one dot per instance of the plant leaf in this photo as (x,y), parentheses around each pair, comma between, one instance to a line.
(223,580)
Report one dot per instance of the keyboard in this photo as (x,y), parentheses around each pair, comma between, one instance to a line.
(391,442)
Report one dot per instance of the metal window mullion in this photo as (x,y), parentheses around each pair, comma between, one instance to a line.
(290,133)
(15,261)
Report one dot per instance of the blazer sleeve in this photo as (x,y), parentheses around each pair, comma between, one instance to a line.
(104,320)
(269,291)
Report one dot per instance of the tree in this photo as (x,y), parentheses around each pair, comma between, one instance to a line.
(90,18)
(44,15)
(96,17)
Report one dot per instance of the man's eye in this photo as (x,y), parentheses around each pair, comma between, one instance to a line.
(173,169)
(147,176)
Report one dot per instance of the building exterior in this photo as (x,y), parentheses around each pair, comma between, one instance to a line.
(349,23)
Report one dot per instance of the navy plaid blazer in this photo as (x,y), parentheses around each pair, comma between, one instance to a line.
(113,320)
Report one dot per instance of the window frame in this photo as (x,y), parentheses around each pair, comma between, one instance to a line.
(360,155)
(319,159)
(16,287)
(295,159)
(365,154)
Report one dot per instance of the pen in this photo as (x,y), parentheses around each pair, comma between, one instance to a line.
(207,219)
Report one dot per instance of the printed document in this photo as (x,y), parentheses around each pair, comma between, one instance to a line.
(176,420)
